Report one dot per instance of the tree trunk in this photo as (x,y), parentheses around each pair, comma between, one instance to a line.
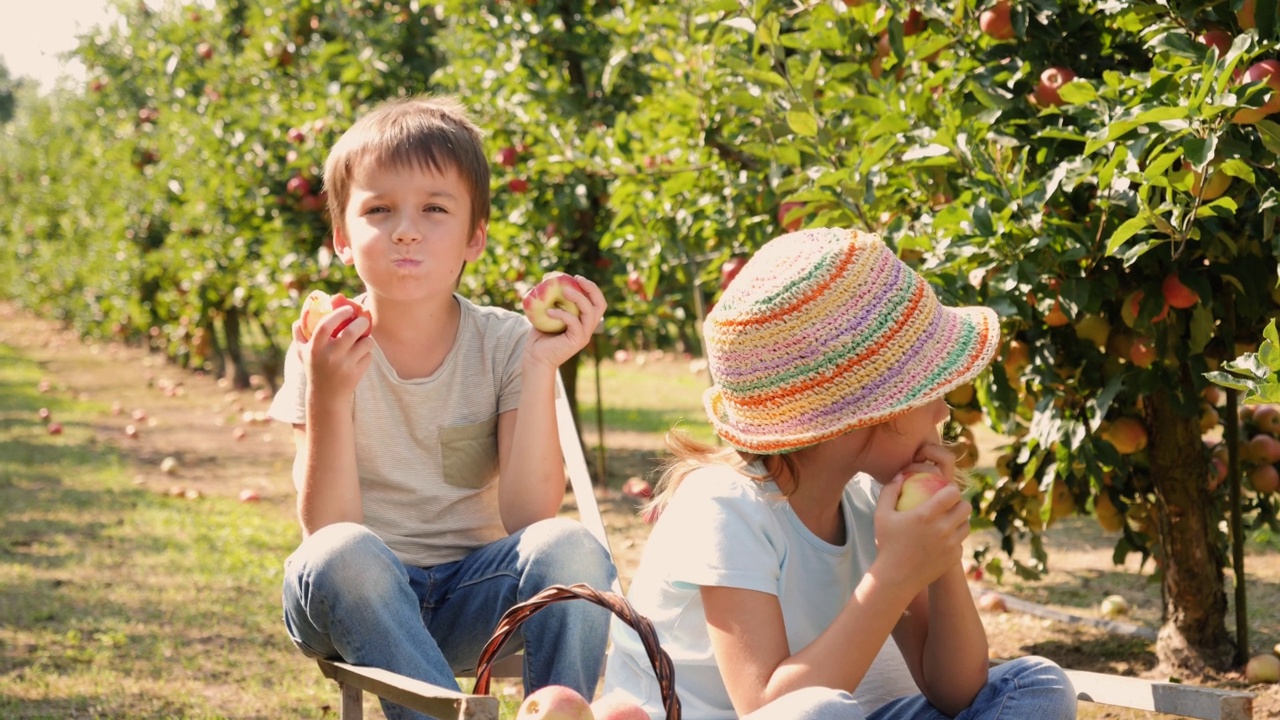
(1194,634)
(231,326)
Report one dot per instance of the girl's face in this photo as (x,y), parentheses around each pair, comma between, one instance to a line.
(893,445)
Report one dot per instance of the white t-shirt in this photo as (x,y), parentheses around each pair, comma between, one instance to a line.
(427,448)
(724,529)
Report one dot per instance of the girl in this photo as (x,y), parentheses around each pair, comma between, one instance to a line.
(779,567)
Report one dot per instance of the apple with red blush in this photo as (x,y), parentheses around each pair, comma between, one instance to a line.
(548,294)
(320,304)
(554,702)
(918,487)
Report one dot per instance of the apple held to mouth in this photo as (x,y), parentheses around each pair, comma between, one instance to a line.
(918,487)
(550,294)
(319,304)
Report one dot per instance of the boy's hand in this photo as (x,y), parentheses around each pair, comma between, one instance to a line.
(335,363)
(917,546)
(555,349)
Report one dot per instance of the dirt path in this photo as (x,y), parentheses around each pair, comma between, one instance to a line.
(221,445)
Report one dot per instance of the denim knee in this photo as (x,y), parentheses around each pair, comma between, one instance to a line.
(341,563)
(562,551)
(1043,678)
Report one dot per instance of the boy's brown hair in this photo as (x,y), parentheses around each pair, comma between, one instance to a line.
(420,131)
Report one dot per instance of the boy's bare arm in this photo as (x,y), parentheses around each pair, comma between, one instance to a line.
(530,463)
(325,465)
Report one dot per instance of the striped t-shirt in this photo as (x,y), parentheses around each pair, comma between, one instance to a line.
(427,448)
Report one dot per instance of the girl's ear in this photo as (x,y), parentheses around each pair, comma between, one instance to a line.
(479,239)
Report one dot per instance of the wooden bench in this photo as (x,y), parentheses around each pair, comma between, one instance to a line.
(1190,701)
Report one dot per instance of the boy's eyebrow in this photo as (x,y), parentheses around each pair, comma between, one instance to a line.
(374,194)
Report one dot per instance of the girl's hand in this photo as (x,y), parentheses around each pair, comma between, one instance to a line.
(917,546)
(335,364)
(555,349)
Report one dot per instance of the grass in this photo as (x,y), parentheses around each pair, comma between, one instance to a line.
(118,602)
(648,398)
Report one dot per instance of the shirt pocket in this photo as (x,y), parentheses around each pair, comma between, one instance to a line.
(469,453)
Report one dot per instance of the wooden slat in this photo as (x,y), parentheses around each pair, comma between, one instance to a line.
(414,694)
(575,463)
(511,666)
(1192,701)
(352,702)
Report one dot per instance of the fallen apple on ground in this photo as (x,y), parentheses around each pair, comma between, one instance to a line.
(546,295)
(1262,669)
(992,602)
(918,487)
(1113,606)
(637,487)
(554,702)
(319,304)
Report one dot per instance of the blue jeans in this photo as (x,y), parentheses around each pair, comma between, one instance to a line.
(347,596)
(1029,687)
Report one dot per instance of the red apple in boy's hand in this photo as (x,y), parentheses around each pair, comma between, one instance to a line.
(554,702)
(918,487)
(319,304)
(546,295)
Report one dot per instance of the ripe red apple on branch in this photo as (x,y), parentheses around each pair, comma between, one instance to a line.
(1051,81)
(547,294)
(1220,39)
(1267,71)
(784,211)
(319,304)
(730,269)
(996,23)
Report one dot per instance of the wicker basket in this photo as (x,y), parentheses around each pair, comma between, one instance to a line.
(518,613)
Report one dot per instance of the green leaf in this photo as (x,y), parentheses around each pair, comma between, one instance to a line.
(1160,114)
(1199,151)
(1236,167)
(1202,328)
(1078,92)
(802,123)
(928,151)
(1128,229)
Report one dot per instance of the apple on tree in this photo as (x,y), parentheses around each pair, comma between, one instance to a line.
(995,21)
(319,304)
(1267,71)
(1051,81)
(784,212)
(730,269)
(547,294)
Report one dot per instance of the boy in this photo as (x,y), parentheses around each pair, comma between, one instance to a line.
(428,468)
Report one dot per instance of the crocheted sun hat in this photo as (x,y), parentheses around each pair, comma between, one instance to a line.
(826,330)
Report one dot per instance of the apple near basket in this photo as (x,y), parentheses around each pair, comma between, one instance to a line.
(520,612)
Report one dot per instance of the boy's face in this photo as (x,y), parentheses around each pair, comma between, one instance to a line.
(408,230)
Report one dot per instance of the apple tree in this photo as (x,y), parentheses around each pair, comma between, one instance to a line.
(1100,174)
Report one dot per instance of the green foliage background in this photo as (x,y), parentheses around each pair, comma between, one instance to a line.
(657,140)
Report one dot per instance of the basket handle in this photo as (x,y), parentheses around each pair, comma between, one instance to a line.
(520,612)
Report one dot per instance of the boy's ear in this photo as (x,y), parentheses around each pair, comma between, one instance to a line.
(479,239)
(342,247)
